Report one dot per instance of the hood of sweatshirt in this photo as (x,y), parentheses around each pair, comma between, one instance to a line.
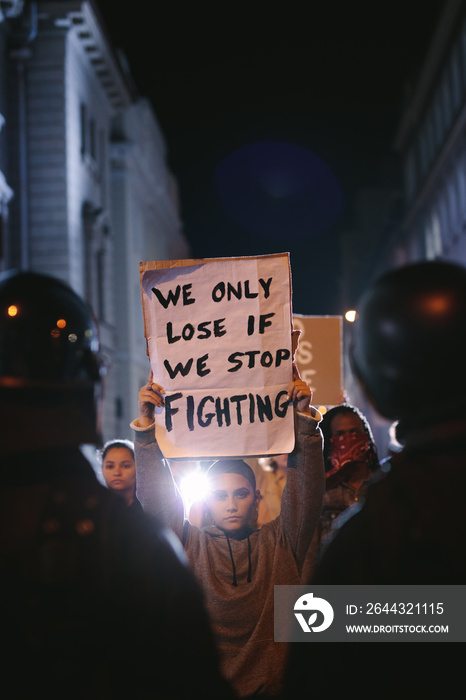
(244,534)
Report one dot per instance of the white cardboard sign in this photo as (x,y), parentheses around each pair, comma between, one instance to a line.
(219,342)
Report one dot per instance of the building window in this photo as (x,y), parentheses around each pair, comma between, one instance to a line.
(430,138)
(423,150)
(453,205)
(119,407)
(92,140)
(463,52)
(445,231)
(456,77)
(447,110)
(83,128)
(96,240)
(100,282)
(462,186)
(433,238)
(102,159)
(410,175)
(438,119)
(2,237)
(89,145)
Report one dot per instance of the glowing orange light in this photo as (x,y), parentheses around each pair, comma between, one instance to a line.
(61,323)
(437,304)
(12,310)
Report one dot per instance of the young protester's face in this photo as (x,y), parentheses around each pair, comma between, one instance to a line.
(231,501)
(119,470)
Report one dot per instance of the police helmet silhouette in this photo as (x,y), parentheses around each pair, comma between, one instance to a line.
(409,341)
(50,359)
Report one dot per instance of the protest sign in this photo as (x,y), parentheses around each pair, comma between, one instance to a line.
(319,356)
(218,334)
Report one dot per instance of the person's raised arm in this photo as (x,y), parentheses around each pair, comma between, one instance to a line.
(303,494)
(150,395)
(300,394)
(155,486)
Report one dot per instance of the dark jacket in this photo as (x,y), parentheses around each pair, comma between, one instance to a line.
(96,600)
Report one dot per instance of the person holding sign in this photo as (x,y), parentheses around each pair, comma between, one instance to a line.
(236,565)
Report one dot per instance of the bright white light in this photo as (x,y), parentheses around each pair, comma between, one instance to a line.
(193,487)
(350,316)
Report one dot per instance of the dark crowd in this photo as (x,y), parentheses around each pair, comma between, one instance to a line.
(110,588)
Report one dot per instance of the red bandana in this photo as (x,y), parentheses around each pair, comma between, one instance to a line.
(350,447)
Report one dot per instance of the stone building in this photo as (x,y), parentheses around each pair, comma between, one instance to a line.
(431,140)
(86,192)
(426,218)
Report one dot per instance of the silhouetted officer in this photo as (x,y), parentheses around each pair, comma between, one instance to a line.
(94,603)
(409,353)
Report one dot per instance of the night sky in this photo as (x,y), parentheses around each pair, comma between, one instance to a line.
(274,119)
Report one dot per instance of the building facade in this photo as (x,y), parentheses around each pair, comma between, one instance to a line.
(146,226)
(431,141)
(85,179)
(8,11)
(428,220)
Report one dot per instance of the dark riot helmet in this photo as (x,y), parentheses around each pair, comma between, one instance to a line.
(49,350)
(409,339)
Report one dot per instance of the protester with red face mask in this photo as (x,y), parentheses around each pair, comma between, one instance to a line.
(351,462)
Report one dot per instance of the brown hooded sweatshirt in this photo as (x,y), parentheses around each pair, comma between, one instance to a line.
(238,576)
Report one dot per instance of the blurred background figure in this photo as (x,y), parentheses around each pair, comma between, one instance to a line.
(119,470)
(408,353)
(394,446)
(270,475)
(94,602)
(351,462)
(350,459)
